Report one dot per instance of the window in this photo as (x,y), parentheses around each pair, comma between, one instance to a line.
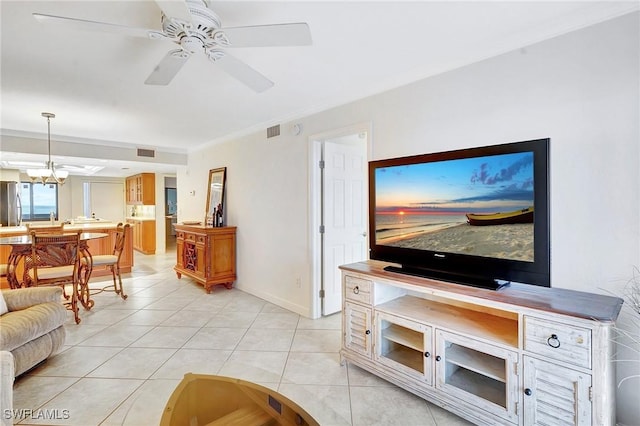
(38,200)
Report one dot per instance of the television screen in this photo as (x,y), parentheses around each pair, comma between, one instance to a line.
(480,213)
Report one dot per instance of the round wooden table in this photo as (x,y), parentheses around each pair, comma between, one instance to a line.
(21,247)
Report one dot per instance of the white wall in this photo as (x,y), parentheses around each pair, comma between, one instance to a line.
(9,175)
(266,197)
(581,90)
(71,195)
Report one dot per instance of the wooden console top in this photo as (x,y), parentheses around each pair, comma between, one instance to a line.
(557,300)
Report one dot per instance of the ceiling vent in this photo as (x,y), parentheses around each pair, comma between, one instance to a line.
(273,131)
(146,153)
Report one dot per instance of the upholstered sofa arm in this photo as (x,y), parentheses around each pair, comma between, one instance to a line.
(26,297)
(6,384)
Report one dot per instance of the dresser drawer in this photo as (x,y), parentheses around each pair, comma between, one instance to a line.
(357,289)
(558,341)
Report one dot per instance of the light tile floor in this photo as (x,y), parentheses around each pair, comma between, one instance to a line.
(123,361)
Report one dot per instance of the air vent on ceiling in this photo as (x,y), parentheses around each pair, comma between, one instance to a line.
(146,153)
(273,131)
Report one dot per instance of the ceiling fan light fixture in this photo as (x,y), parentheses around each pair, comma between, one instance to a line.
(191,44)
(220,38)
(195,28)
(215,54)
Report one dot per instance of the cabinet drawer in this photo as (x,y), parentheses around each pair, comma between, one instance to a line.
(562,342)
(190,237)
(357,289)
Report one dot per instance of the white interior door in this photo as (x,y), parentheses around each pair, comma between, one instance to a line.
(107,200)
(344,213)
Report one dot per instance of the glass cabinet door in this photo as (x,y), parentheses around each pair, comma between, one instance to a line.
(481,374)
(404,345)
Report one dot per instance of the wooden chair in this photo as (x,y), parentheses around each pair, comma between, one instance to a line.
(47,228)
(113,260)
(54,260)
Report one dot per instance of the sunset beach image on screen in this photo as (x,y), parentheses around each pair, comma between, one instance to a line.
(481,206)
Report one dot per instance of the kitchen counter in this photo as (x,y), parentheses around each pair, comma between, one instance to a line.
(8,231)
(140,218)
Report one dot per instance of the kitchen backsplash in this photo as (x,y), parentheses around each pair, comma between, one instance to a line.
(141,211)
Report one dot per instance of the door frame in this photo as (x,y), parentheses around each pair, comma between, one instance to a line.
(315,203)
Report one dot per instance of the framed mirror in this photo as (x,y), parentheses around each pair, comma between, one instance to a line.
(215,191)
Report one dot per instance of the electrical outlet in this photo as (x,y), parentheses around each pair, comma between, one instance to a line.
(298,282)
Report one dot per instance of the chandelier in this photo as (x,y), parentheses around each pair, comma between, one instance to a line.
(48,175)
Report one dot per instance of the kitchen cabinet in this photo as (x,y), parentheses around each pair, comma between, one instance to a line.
(523,355)
(143,235)
(141,189)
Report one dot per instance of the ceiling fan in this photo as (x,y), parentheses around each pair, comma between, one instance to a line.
(195,28)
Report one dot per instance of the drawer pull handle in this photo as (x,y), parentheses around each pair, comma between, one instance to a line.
(356,290)
(553,341)
(527,392)
(367,332)
(427,354)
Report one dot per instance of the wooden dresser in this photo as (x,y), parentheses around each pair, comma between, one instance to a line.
(206,254)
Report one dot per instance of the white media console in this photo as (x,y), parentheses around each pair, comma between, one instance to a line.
(523,355)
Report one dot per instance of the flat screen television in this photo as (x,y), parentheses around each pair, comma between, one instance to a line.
(477,216)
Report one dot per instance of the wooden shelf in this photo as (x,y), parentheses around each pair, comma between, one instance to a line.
(404,336)
(479,385)
(479,324)
(484,364)
(408,357)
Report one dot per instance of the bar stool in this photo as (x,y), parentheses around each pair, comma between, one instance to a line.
(112,261)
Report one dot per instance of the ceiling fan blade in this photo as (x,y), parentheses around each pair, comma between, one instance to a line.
(83,24)
(175,9)
(296,34)
(243,72)
(168,67)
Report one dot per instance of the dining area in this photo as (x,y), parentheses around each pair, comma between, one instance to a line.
(67,257)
